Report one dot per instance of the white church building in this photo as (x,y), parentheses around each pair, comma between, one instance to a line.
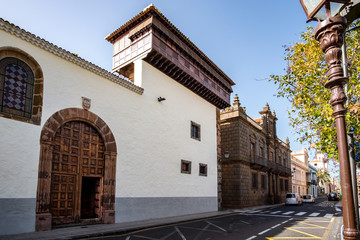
(80,144)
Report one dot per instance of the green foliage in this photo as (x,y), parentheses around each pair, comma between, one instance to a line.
(303,85)
(323,176)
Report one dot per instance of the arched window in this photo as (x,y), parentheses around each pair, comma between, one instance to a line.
(16,87)
(21,86)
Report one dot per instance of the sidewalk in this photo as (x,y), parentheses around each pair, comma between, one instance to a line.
(335,231)
(117,228)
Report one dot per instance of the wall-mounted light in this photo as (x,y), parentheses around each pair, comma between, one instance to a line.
(293,171)
(160,99)
(226,154)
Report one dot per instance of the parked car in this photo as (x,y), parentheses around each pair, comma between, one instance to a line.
(333,196)
(293,198)
(308,198)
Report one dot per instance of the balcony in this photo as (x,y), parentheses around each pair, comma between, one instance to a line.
(308,178)
(281,170)
(259,163)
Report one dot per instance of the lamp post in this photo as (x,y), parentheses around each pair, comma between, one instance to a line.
(330,34)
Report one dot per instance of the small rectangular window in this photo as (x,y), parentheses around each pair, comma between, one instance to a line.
(252,152)
(195,131)
(281,184)
(185,167)
(255,180)
(202,169)
(263,181)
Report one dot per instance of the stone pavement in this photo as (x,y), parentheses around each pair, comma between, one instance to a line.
(98,230)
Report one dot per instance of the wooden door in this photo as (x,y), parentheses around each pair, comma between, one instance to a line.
(78,154)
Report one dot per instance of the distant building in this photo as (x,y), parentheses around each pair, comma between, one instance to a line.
(257,168)
(300,168)
(312,181)
(321,163)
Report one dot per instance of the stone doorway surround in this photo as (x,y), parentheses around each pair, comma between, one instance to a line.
(43,215)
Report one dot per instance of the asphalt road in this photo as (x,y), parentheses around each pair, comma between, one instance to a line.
(309,221)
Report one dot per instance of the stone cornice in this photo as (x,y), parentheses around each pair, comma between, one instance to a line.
(60,52)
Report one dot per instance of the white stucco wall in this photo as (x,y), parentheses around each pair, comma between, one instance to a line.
(152,137)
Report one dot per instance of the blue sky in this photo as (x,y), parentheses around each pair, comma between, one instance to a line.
(244,38)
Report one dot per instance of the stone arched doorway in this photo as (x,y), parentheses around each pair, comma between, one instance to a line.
(77,168)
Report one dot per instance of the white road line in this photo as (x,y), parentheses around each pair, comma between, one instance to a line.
(275,226)
(128,237)
(180,233)
(245,222)
(254,211)
(288,213)
(216,226)
(286,221)
(261,233)
(266,211)
(314,214)
(251,238)
(329,215)
(276,212)
(300,213)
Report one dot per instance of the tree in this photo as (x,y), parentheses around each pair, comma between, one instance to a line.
(303,85)
(323,177)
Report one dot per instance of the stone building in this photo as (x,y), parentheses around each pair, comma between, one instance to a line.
(81,145)
(300,169)
(255,162)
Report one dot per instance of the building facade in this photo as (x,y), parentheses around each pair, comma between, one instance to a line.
(300,166)
(80,144)
(321,163)
(312,181)
(255,163)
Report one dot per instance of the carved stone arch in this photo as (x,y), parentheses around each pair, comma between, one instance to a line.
(58,119)
(37,100)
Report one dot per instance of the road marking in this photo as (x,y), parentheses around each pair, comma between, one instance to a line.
(338,209)
(300,213)
(261,233)
(286,221)
(288,213)
(245,222)
(307,234)
(276,226)
(314,214)
(180,233)
(128,237)
(329,215)
(167,236)
(251,238)
(308,225)
(266,211)
(216,226)
(254,211)
(276,212)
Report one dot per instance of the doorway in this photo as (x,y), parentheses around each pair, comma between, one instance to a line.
(90,198)
(78,163)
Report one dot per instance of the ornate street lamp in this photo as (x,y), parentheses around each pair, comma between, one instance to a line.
(330,34)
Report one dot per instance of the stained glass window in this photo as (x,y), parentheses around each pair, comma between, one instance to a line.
(16,87)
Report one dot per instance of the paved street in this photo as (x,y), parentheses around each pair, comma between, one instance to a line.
(310,221)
